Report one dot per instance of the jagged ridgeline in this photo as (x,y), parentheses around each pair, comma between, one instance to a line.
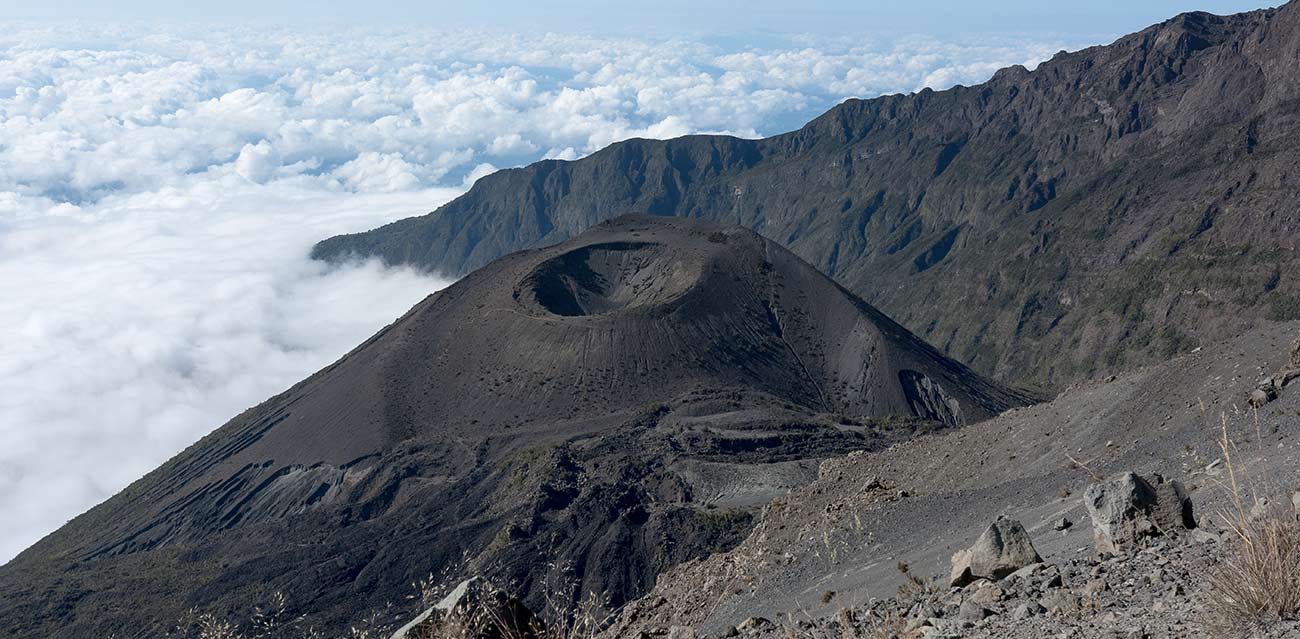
(1114,206)
(597,411)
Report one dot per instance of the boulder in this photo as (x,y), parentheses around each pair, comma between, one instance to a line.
(1128,508)
(475,609)
(1004,548)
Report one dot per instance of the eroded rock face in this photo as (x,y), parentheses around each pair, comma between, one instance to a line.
(929,401)
(1127,508)
(1004,548)
(475,609)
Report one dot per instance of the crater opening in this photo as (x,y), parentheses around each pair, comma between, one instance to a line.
(609,277)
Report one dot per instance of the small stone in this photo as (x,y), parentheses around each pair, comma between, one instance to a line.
(932,632)
(1051,580)
(1027,610)
(754,624)
(1062,602)
(972,612)
(1062,524)
(988,593)
(1259,397)
(1095,586)
(680,632)
(1260,509)
(1029,571)
(1284,379)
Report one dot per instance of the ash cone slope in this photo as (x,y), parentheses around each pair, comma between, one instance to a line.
(618,403)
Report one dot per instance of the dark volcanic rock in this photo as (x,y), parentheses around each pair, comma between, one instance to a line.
(591,413)
(1114,206)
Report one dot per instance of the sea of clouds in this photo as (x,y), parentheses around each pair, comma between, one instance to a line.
(160,187)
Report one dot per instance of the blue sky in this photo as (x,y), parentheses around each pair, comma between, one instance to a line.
(690,16)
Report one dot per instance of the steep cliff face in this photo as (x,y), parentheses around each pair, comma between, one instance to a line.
(1114,206)
(590,414)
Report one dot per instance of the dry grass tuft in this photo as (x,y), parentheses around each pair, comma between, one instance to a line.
(892,626)
(1256,583)
(914,586)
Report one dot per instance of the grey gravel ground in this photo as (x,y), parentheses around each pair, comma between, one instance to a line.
(836,544)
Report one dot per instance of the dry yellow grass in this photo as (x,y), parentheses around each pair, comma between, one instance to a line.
(1256,582)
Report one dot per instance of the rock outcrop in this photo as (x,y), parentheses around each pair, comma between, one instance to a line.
(1004,548)
(1268,388)
(1128,508)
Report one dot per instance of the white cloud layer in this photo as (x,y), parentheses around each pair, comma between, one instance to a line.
(160,188)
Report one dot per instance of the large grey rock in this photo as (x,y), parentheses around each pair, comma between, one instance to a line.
(475,609)
(1004,548)
(1128,508)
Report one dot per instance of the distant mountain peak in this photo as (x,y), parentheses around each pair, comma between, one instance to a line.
(1021,224)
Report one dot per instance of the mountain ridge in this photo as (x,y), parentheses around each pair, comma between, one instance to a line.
(1045,227)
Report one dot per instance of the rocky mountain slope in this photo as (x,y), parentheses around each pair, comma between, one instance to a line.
(1113,207)
(587,414)
(825,560)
